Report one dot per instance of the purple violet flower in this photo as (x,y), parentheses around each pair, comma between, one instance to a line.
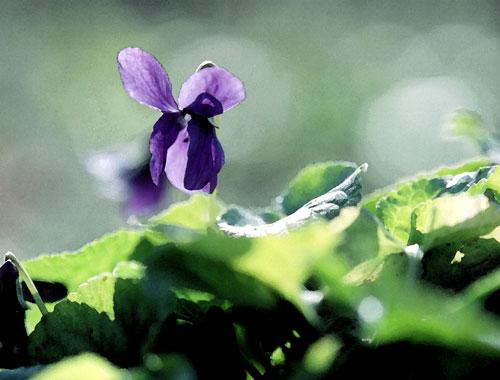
(124,175)
(183,143)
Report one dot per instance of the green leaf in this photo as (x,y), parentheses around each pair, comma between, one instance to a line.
(312,182)
(363,243)
(141,307)
(464,181)
(492,182)
(85,366)
(479,290)
(22,373)
(467,167)
(189,311)
(247,272)
(129,270)
(201,266)
(193,214)
(456,217)
(240,216)
(75,268)
(370,201)
(395,209)
(73,328)
(325,206)
(125,299)
(480,256)
(396,313)
(99,291)
(320,355)
(470,124)
(164,367)
(34,315)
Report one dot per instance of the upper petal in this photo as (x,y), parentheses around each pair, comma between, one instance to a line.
(164,134)
(208,84)
(205,156)
(145,79)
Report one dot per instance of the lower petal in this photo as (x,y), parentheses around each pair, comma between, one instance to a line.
(177,161)
(175,167)
(205,156)
(165,132)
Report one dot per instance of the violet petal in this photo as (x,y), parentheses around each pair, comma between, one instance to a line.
(177,158)
(208,84)
(143,194)
(205,155)
(145,79)
(175,167)
(219,160)
(164,134)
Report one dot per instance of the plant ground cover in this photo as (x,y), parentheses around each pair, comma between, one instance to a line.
(323,283)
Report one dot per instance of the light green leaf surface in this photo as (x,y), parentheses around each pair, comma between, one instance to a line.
(325,206)
(193,214)
(312,182)
(470,166)
(363,244)
(469,124)
(395,209)
(453,217)
(75,268)
(418,315)
(99,291)
(85,366)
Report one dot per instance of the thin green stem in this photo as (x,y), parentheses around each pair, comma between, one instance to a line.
(212,209)
(27,279)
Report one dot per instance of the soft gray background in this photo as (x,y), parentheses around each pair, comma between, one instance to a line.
(363,81)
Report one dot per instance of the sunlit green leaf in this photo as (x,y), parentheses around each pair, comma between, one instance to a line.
(75,268)
(312,182)
(194,214)
(320,355)
(469,124)
(325,206)
(418,315)
(99,291)
(453,217)
(396,208)
(471,166)
(85,366)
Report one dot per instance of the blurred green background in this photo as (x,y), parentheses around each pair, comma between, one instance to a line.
(363,81)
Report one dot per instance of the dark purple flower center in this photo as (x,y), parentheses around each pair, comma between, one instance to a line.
(205,105)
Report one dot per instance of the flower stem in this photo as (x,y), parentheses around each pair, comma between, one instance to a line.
(212,209)
(27,279)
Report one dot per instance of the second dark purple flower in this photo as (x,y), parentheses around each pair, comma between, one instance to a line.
(183,143)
